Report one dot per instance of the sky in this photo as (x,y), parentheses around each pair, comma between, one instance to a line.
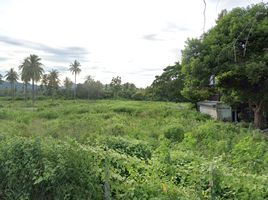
(134,39)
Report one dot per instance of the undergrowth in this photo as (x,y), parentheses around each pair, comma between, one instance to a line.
(127,150)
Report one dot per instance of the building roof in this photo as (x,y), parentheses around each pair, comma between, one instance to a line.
(208,103)
(214,104)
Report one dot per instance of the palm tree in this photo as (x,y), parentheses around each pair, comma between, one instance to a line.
(25,76)
(12,76)
(68,86)
(53,82)
(34,68)
(1,80)
(44,83)
(89,82)
(74,68)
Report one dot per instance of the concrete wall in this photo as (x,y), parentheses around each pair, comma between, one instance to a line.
(209,111)
(225,113)
(219,111)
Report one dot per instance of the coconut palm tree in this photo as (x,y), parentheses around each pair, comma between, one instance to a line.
(68,87)
(1,79)
(34,68)
(25,75)
(44,84)
(88,82)
(74,68)
(12,76)
(53,82)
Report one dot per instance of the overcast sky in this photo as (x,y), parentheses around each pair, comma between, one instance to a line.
(134,39)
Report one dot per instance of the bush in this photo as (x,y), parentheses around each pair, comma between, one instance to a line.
(174,134)
(141,150)
(128,110)
(48,114)
(117,129)
(133,148)
(35,169)
(248,150)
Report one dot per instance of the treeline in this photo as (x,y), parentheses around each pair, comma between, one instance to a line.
(166,87)
(94,89)
(50,86)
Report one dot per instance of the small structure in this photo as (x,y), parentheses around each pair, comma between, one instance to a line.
(216,109)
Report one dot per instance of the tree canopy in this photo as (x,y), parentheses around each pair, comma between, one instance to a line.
(12,76)
(31,69)
(168,86)
(235,52)
(75,69)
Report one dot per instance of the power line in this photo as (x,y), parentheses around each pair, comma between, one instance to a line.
(204,14)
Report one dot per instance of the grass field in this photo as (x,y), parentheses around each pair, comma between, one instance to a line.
(126,150)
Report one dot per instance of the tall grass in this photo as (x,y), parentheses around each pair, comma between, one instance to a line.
(126,150)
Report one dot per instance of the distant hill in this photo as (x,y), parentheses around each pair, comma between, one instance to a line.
(6,85)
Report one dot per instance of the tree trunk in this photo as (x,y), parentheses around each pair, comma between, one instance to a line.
(33,91)
(258,114)
(13,91)
(26,91)
(258,118)
(235,115)
(53,92)
(75,86)
(196,106)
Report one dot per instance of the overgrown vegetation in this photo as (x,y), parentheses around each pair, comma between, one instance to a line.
(234,54)
(127,150)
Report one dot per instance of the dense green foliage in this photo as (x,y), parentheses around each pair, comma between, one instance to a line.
(31,69)
(12,76)
(126,150)
(235,52)
(51,87)
(168,86)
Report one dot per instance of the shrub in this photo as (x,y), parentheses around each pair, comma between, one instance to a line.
(251,153)
(49,114)
(174,134)
(35,169)
(126,109)
(4,114)
(117,129)
(133,148)
(138,150)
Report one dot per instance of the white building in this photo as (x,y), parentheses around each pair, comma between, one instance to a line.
(216,109)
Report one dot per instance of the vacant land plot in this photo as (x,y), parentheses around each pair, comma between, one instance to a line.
(127,150)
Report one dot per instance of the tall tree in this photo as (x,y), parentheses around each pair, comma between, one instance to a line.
(244,71)
(33,69)
(25,76)
(94,88)
(74,68)
(12,76)
(1,79)
(235,52)
(88,83)
(168,86)
(196,72)
(53,82)
(128,90)
(115,85)
(68,84)
(44,83)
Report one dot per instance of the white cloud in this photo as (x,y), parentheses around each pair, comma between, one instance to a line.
(118,37)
